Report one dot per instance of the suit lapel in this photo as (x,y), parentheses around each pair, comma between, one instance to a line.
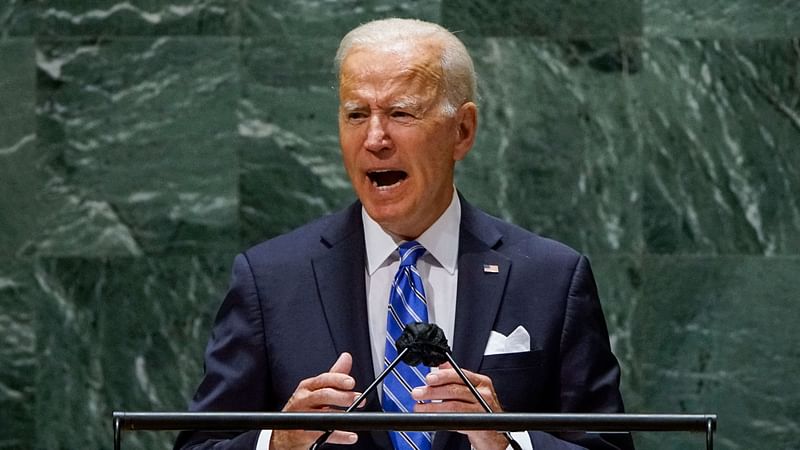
(480,291)
(339,273)
(340,280)
(482,275)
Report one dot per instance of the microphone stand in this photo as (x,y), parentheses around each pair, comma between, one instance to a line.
(511,441)
(321,440)
(428,349)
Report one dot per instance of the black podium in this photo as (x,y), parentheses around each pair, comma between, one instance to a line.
(243,421)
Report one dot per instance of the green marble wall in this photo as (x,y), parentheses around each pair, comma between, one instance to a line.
(142,143)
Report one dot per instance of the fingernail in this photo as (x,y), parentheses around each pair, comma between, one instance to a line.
(352,438)
(432,378)
(417,392)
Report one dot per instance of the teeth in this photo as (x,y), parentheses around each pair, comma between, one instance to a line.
(375,183)
(385,179)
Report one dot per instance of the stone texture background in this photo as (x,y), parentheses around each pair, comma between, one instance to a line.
(144,142)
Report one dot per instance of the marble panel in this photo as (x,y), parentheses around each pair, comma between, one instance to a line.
(137,17)
(720,19)
(17,18)
(122,334)
(720,125)
(328,18)
(554,18)
(18,357)
(291,166)
(554,151)
(19,177)
(141,139)
(719,334)
(619,283)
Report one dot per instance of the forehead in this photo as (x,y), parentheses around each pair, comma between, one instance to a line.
(403,68)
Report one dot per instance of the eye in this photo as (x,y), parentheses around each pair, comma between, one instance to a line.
(355,116)
(401,115)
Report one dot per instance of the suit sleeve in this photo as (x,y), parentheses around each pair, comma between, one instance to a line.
(590,373)
(236,375)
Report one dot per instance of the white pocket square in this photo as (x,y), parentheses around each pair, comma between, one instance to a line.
(518,341)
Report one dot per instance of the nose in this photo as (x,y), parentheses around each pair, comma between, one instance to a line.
(377,138)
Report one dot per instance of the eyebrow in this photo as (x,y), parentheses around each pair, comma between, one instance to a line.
(401,103)
(406,103)
(352,105)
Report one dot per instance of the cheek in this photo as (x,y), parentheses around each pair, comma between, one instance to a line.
(349,145)
(349,133)
(349,162)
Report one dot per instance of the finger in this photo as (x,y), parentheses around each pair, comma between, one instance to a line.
(303,439)
(447,375)
(343,364)
(362,403)
(446,385)
(320,399)
(450,406)
(328,380)
(342,437)
(327,397)
(453,392)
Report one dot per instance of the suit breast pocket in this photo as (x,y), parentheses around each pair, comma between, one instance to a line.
(517,378)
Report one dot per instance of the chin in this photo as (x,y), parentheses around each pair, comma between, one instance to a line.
(388,218)
(383,217)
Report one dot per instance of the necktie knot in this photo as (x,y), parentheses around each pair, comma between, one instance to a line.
(409,253)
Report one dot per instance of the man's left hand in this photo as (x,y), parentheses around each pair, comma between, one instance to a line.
(455,397)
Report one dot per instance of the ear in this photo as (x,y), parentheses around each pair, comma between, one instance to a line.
(466,128)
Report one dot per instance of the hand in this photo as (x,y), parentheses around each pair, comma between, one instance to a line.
(320,393)
(455,396)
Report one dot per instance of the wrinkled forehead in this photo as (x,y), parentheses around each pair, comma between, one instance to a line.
(411,61)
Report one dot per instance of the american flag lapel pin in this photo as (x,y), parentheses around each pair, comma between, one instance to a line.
(491,268)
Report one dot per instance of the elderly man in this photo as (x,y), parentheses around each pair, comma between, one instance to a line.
(311,316)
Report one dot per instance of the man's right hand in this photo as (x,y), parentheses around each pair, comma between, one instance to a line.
(320,393)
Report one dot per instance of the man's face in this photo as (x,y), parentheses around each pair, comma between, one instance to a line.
(398,145)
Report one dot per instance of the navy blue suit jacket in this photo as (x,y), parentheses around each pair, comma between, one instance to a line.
(299,300)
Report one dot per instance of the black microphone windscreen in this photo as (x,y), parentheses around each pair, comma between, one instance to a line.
(426,344)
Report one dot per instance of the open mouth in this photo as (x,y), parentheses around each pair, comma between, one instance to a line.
(386,178)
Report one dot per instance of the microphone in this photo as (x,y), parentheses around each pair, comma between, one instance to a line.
(415,344)
(430,348)
(420,343)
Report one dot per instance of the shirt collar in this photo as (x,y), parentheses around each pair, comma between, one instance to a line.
(440,239)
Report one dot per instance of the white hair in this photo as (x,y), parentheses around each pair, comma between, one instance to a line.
(458,70)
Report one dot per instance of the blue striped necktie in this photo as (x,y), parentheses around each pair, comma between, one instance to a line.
(406,304)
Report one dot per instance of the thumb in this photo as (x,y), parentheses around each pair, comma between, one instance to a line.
(343,364)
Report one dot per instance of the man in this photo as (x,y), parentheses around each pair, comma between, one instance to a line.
(304,324)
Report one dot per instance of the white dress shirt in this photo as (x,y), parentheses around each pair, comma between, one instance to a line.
(438,268)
